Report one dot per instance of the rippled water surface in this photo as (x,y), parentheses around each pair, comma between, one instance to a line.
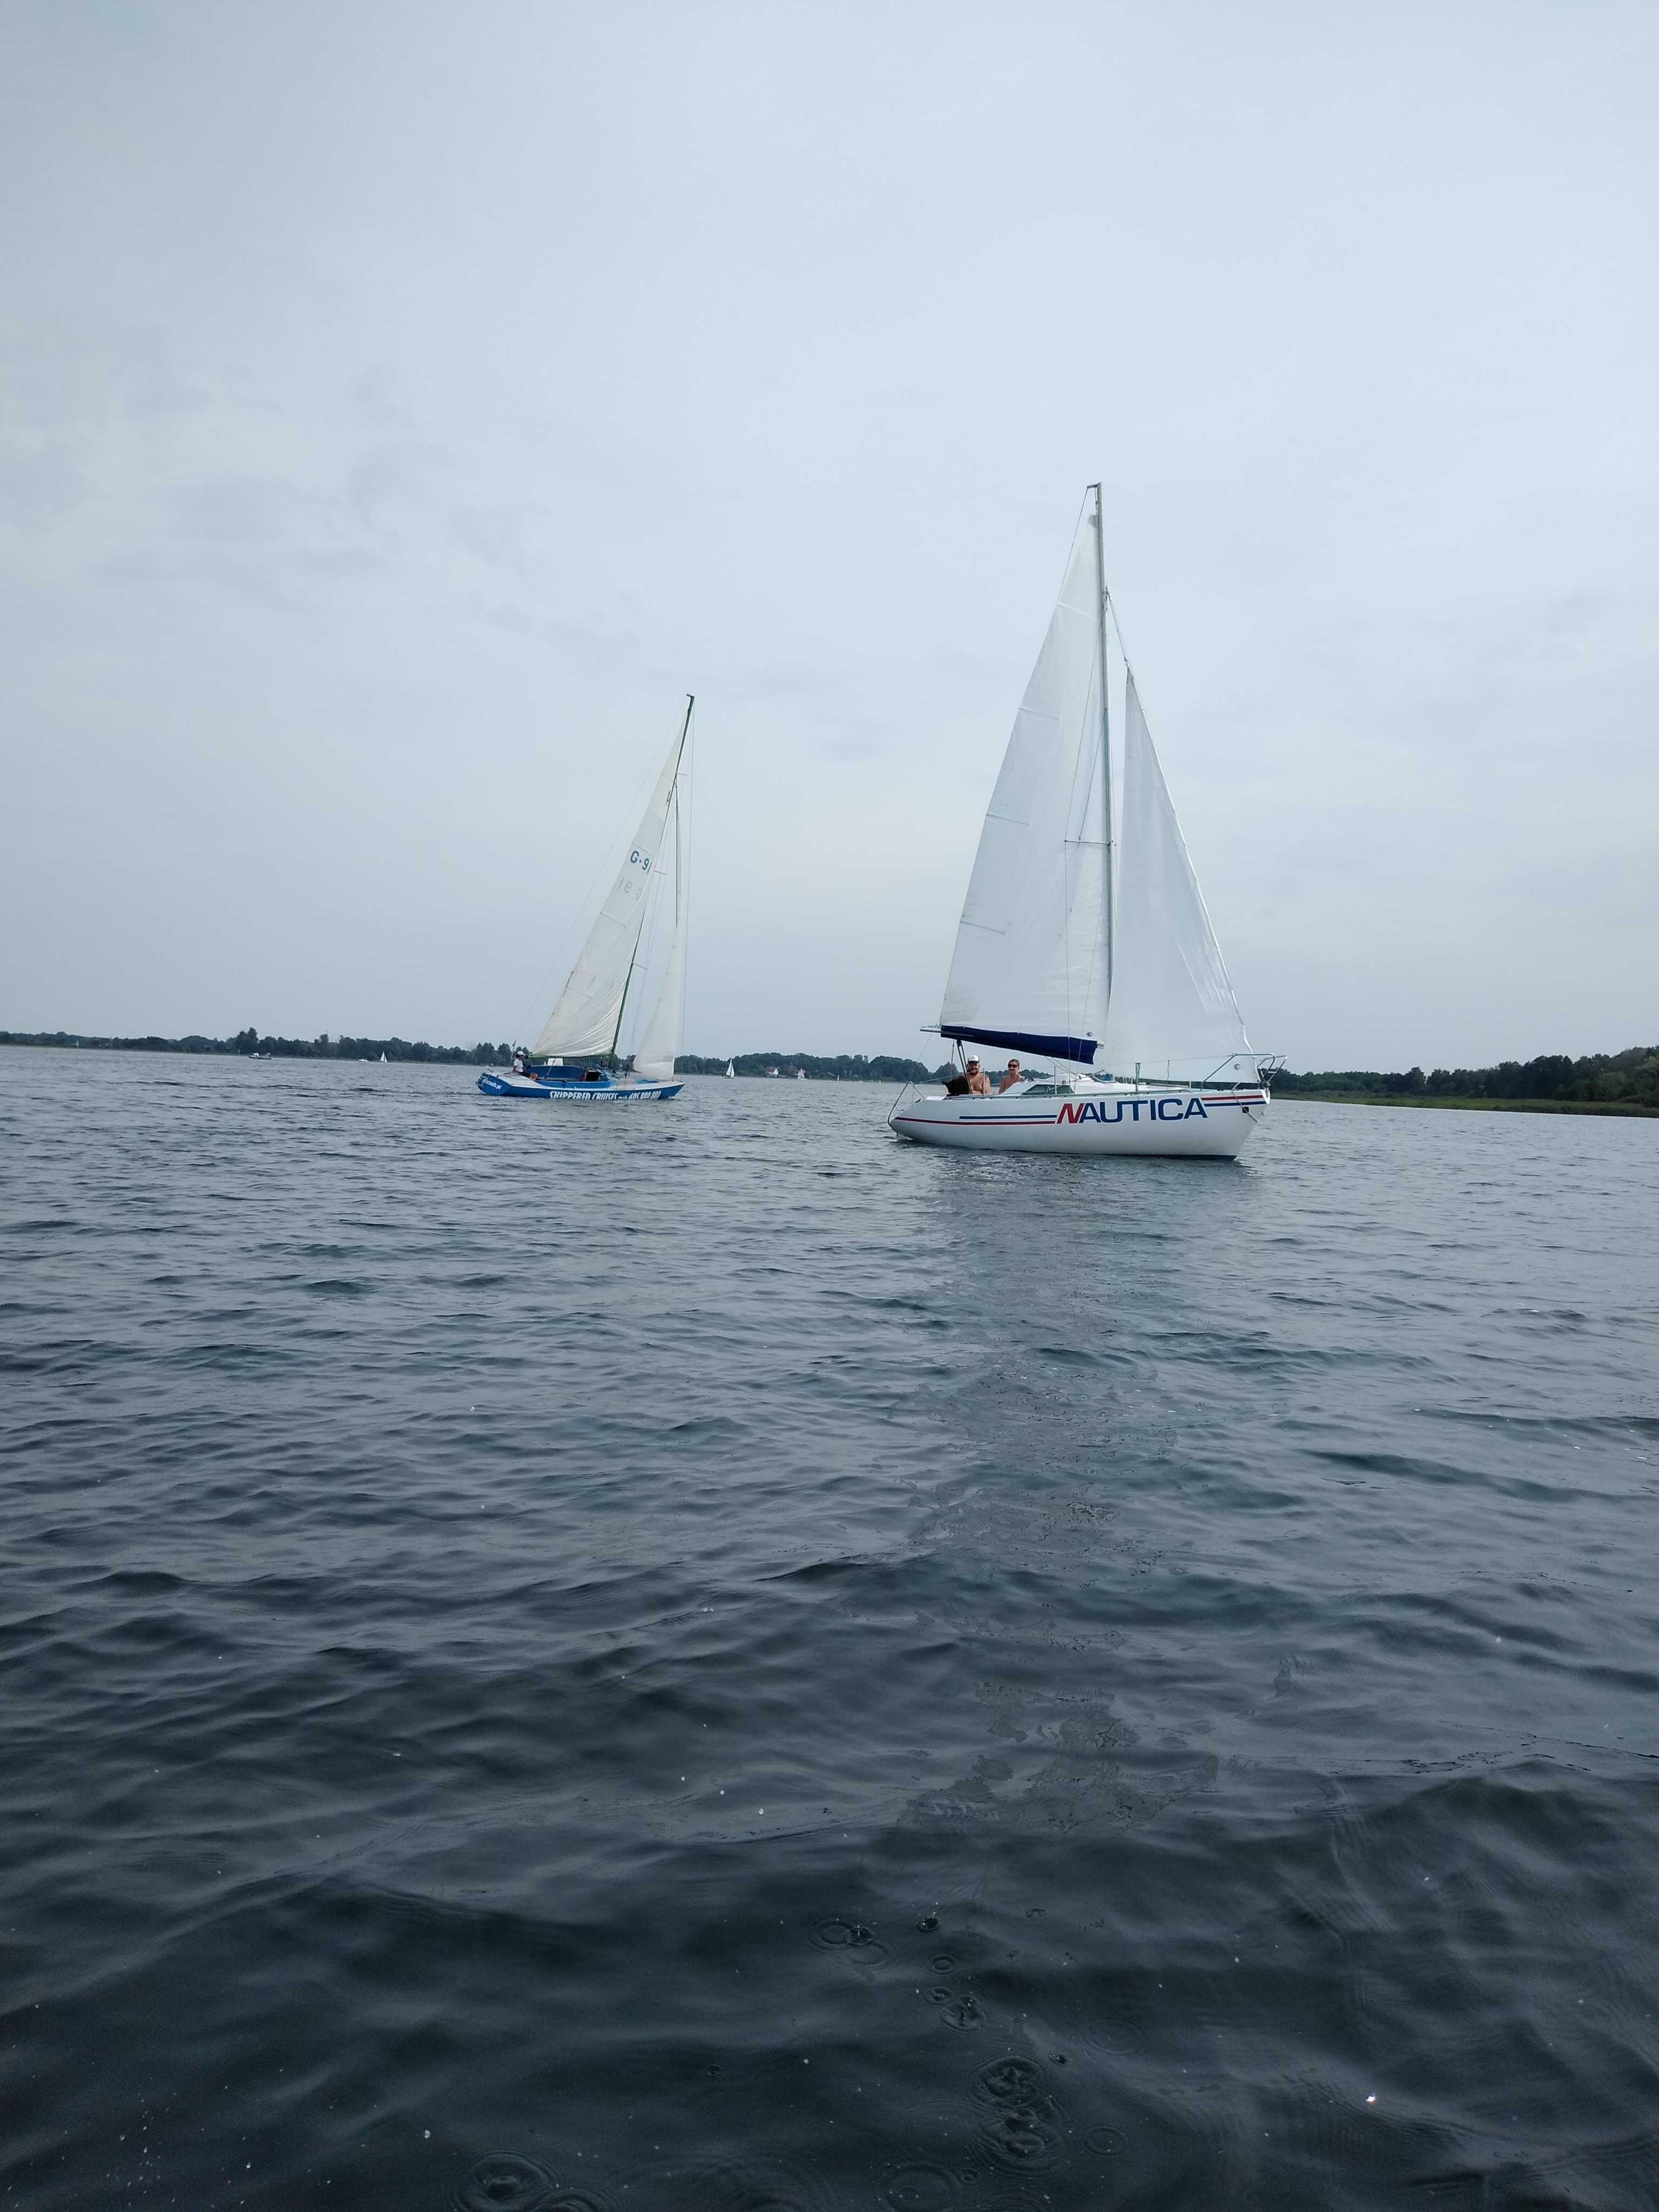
(701,1657)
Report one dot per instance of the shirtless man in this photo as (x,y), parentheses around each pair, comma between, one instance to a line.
(978,1082)
(1013,1076)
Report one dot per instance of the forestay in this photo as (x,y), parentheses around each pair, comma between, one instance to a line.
(1028,967)
(589,1012)
(1172,1008)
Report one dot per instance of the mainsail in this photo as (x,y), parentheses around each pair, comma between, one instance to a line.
(1029,966)
(658,1048)
(1173,1010)
(588,1016)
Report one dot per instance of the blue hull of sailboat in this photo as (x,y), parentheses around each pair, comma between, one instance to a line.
(624,1093)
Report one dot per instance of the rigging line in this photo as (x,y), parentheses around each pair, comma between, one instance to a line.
(1098,763)
(1076,1023)
(649,909)
(673,789)
(1117,627)
(1106,825)
(682,871)
(646,949)
(1078,766)
(646,952)
(1076,805)
(609,860)
(651,936)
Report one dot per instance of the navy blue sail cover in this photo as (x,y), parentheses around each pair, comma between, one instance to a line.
(1082,1049)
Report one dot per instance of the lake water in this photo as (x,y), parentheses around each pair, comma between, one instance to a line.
(704,1658)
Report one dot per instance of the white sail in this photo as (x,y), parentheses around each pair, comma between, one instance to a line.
(1173,1009)
(1030,960)
(659,1045)
(589,1012)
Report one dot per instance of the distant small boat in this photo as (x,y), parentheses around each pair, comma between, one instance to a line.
(801,1075)
(586,1023)
(383,1060)
(731,1068)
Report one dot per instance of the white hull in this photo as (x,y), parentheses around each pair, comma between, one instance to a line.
(1206,1125)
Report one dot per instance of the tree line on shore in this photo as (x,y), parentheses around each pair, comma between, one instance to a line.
(1603,1078)
(847,1067)
(249,1041)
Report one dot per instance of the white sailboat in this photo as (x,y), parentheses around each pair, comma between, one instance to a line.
(1085,941)
(730,1069)
(586,1024)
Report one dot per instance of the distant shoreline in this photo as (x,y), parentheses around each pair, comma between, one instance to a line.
(816,1067)
(1624,1109)
(249,1045)
(1631,1076)
(1619,1083)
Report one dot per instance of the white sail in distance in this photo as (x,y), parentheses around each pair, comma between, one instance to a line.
(659,1044)
(1172,1006)
(588,1015)
(1029,965)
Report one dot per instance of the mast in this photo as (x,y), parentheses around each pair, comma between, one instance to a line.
(674,787)
(1105,738)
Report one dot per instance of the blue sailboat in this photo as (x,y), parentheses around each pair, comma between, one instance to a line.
(584,1027)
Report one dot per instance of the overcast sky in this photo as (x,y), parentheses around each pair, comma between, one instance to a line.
(404,405)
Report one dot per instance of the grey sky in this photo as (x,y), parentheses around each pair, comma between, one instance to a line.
(403,406)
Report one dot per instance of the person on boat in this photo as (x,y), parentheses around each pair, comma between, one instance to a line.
(1013,1076)
(978,1082)
(518,1059)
